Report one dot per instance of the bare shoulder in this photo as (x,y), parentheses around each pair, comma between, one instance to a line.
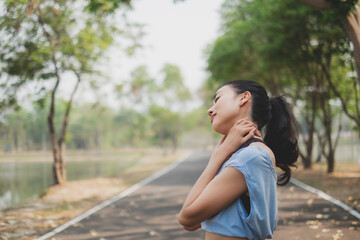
(267,150)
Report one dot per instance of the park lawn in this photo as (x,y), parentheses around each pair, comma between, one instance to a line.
(343,184)
(62,203)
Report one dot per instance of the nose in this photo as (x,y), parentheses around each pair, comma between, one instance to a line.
(210,111)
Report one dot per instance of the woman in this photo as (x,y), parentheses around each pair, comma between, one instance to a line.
(235,196)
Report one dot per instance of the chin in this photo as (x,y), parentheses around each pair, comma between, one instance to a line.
(219,129)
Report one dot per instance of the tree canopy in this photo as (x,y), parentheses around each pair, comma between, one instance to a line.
(292,49)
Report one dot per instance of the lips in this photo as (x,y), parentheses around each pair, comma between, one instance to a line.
(212,117)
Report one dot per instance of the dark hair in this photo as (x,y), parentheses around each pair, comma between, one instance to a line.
(280,125)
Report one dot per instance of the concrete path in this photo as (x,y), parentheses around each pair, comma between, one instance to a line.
(150,212)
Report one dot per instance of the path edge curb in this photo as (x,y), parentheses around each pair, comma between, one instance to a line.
(117,197)
(323,195)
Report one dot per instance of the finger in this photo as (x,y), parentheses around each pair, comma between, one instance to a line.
(247,130)
(258,133)
(243,119)
(222,139)
(249,136)
(244,124)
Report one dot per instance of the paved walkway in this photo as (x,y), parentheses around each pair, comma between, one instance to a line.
(150,212)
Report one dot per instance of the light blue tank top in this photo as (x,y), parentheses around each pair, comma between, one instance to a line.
(256,166)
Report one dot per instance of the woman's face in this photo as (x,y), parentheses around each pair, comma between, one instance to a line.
(225,110)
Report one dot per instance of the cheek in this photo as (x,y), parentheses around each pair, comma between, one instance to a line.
(225,119)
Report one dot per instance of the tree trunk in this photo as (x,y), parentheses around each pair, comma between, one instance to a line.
(16,141)
(58,165)
(330,154)
(327,120)
(58,171)
(307,159)
(331,163)
(308,141)
(310,122)
(61,142)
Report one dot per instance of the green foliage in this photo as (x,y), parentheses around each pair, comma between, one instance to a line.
(107,6)
(340,9)
(95,126)
(43,41)
(165,124)
(173,87)
(293,49)
(141,84)
(160,98)
(272,42)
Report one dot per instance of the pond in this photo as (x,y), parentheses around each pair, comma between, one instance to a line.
(21,181)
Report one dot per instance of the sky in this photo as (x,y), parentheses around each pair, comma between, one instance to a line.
(176,33)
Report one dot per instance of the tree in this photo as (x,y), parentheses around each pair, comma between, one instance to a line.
(51,43)
(287,46)
(15,130)
(165,125)
(173,89)
(346,13)
(160,98)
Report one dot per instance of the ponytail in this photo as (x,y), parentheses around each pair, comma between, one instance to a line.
(281,130)
(281,137)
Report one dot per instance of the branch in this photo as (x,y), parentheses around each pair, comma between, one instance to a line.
(337,136)
(41,22)
(356,98)
(321,4)
(322,144)
(53,92)
(68,108)
(337,93)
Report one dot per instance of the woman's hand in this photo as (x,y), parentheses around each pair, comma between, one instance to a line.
(242,131)
(211,194)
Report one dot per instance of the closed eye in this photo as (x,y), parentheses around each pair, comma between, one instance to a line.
(217,98)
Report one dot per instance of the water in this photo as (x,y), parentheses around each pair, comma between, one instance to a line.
(22,181)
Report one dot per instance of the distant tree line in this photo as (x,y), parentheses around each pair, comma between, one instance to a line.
(153,114)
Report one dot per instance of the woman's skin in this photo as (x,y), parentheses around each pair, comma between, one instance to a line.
(231,116)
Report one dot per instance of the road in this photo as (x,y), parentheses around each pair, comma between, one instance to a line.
(150,212)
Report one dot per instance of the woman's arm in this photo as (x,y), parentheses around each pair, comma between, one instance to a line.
(209,195)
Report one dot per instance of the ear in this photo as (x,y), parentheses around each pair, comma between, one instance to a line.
(245,97)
